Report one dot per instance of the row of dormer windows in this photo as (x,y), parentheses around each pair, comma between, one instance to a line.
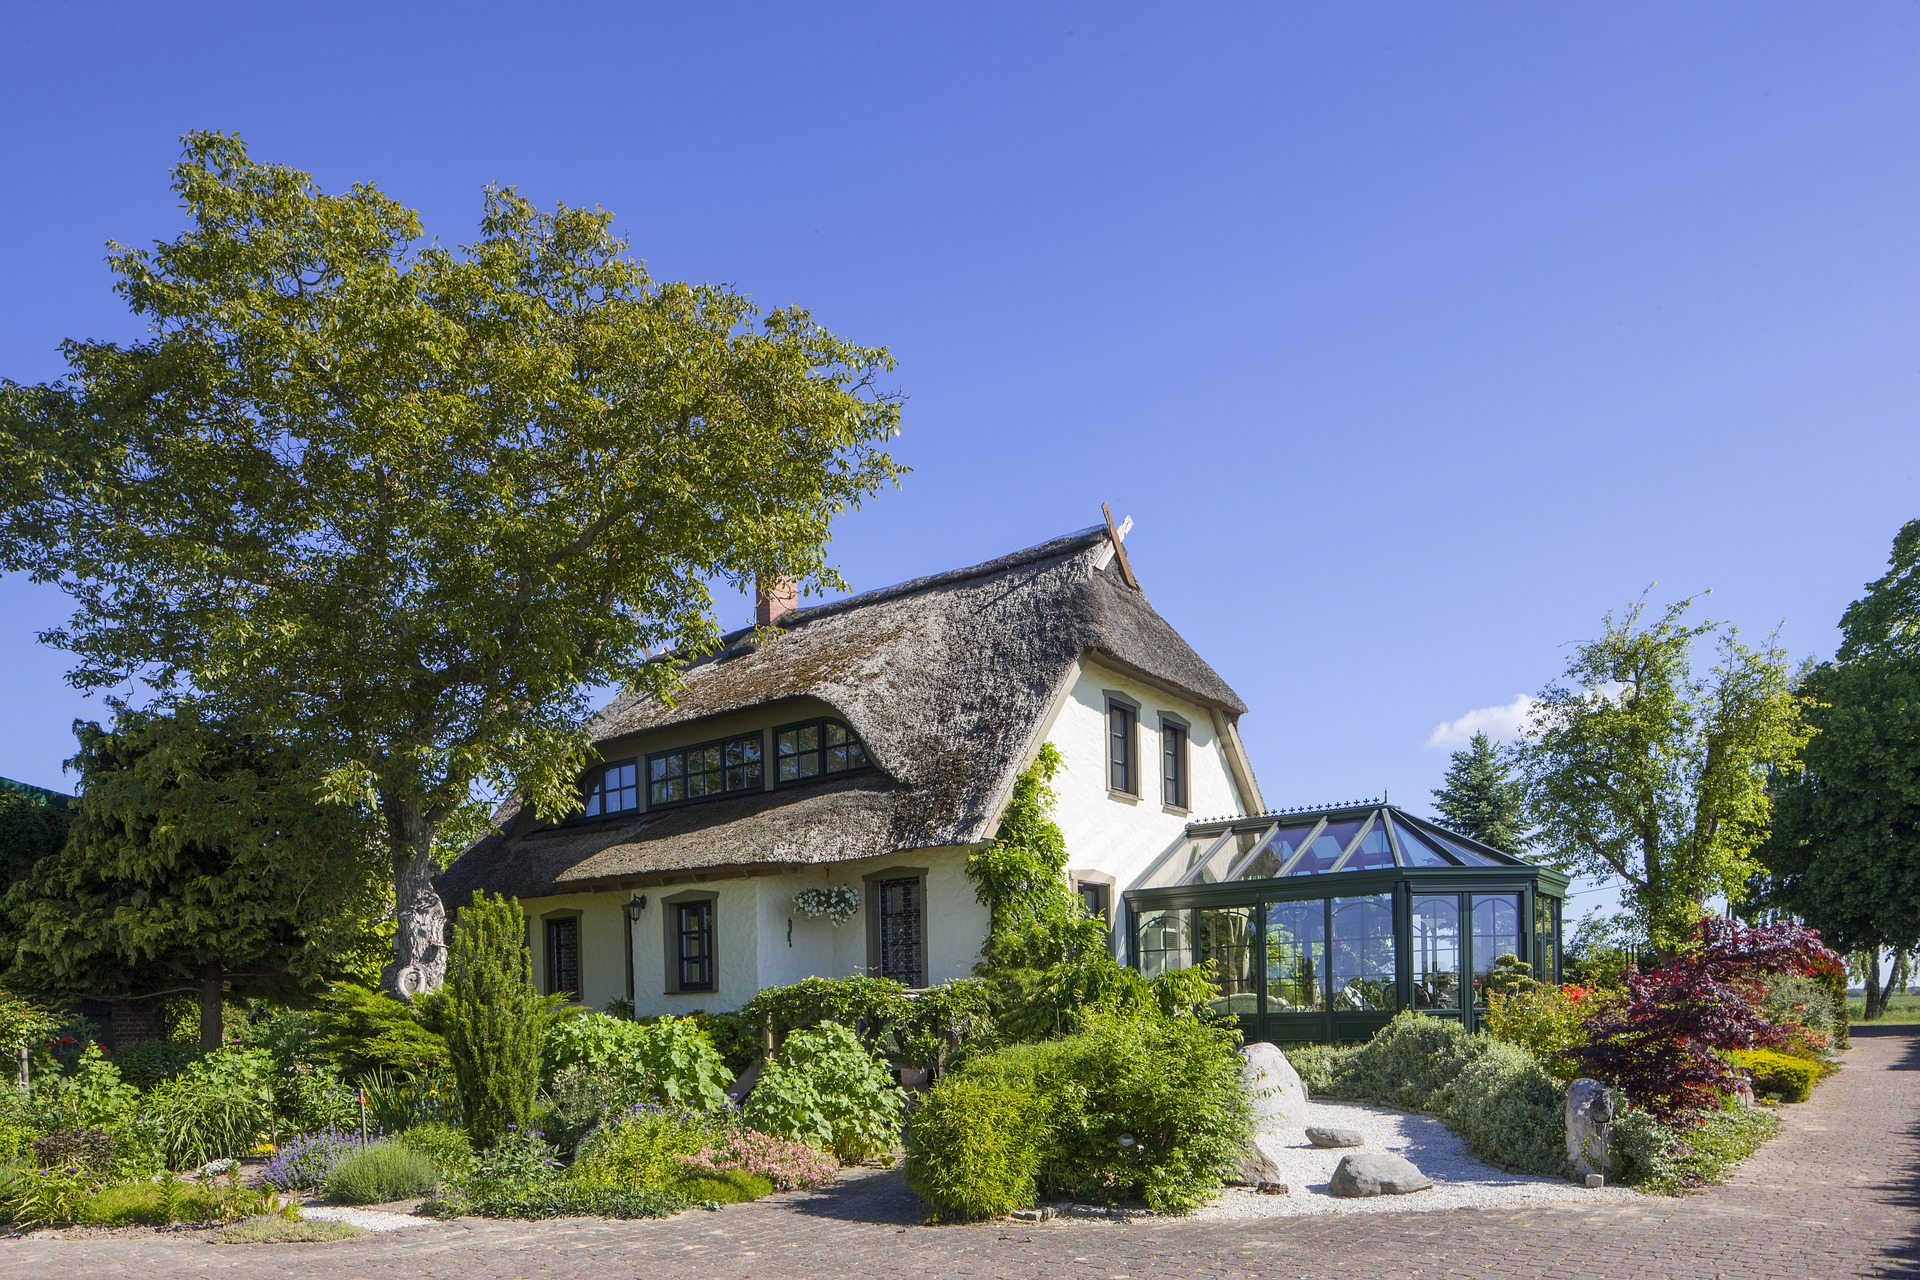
(710,770)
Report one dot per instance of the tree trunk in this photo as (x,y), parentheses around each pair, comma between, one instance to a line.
(419,963)
(1871,1009)
(1896,980)
(210,1027)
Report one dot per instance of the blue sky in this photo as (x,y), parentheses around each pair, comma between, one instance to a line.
(1414,337)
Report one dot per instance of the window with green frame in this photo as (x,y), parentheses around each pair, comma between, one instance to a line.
(706,772)
(815,749)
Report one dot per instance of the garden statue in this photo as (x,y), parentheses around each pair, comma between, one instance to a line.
(1589,1126)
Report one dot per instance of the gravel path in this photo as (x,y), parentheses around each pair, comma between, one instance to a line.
(1459,1180)
(366,1219)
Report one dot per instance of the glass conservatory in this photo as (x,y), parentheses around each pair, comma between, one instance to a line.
(1323,923)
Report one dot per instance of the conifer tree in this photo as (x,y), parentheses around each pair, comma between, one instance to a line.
(1481,799)
(494,1020)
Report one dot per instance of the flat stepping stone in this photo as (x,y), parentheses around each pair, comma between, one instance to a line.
(1322,1136)
(1377,1173)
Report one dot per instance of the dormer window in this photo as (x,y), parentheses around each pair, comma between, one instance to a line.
(707,771)
(614,789)
(818,748)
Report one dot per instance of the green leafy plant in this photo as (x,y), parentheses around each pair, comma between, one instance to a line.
(566,1198)
(1667,1159)
(826,1088)
(494,1018)
(48,1197)
(1131,1106)
(220,1106)
(1543,1019)
(446,1146)
(643,1149)
(379,1172)
(92,1096)
(1511,1111)
(867,1005)
(402,1099)
(170,1200)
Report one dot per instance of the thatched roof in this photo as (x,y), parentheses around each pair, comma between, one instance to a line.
(946,679)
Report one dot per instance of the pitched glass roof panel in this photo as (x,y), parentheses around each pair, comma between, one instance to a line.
(1417,851)
(1374,851)
(1267,863)
(1326,848)
(1467,856)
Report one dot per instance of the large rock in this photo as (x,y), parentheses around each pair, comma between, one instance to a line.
(1589,1124)
(1321,1136)
(1377,1173)
(1273,1086)
(1260,1161)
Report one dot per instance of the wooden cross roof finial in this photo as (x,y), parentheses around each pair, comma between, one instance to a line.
(1119,549)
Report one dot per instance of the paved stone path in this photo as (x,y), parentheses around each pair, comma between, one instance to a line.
(1837,1194)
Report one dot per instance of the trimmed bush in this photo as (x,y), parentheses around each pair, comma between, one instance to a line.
(728,1186)
(974,1148)
(1411,1064)
(1317,1064)
(1511,1111)
(1780,1075)
(825,1088)
(380,1172)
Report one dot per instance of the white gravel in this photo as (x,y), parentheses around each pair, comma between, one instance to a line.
(1459,1180)
(366,1219)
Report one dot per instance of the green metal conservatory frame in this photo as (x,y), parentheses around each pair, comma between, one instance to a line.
(1324,923)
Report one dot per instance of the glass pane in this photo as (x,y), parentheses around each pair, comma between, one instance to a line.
(1215,869)
(1466,855)
(1496,932)
(1363,967)
(1224,935)
(1416,851)
(1326,848)
(1296,956)
(1163,942)
(1267,865)
(1436,951)
(1374,851)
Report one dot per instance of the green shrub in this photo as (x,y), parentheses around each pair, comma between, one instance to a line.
(309,1096)
(220,1106)
(1667,1160)
(1542,1019)
(974,1148)
(824,1087)
(1129,1107)
(867,1005)
(642,1150)
(1511,1111)
(88,1151)
(1317,1064)
(47,1197)
(494,1019)
(1780,1075)
(361,1030)
(280,1231)
(728,1186)
(1412,1064)
(444,1145)
(733,1036)
(92,1096)
(149,1062)
(380,1172)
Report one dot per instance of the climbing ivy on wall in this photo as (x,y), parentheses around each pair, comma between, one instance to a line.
(1034,917)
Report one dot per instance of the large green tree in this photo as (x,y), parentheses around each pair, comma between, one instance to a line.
(1638,767)
(405,505)
(33,824)
(202,859)
(1481,798)
(1845,850)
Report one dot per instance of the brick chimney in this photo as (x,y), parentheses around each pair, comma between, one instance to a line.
(773,603)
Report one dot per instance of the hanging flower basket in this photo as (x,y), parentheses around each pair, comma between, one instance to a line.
(838,904)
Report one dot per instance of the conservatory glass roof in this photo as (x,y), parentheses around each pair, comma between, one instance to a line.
(1309,842)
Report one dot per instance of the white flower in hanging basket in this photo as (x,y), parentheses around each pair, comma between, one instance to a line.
(838,904)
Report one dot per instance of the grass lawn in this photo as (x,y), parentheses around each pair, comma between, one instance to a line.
(1902,1011)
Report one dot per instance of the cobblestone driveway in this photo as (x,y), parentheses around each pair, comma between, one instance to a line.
(1837,1194)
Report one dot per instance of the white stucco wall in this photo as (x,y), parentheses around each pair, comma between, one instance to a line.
(1122,835)
(751,937)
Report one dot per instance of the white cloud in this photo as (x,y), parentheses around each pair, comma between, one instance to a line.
(1502,724)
